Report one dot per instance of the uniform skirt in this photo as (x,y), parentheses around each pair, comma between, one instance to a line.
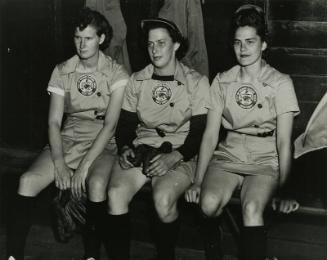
(246,155)
(78,137)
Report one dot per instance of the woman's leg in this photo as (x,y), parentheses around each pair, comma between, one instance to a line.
(96,206)
(217,189)
(166,191)
(38,177)
(255,195)
(123,185)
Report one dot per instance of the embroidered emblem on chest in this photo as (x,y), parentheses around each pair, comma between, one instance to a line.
(86,85)
(246,97)
(161,94)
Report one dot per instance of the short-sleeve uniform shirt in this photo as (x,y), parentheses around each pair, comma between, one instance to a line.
(249,111)
(86,98)
(166,105)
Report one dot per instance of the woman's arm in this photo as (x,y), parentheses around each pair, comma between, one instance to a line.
(284,134)
(208,144)
(102,139)
(62,173)
(162,163)
(207,148)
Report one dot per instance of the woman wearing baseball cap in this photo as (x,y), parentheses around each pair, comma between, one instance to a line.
(256,104)
(166,102)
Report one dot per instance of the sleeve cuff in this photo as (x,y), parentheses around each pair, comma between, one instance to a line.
(118,84)
(58,91)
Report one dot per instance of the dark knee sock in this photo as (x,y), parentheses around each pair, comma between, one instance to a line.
(253,243)
(166,235)
(117,242)
(95,221)
(18,226)
(212,237)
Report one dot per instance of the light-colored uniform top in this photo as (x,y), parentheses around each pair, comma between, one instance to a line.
(249,113)
(166,105)
(87,96)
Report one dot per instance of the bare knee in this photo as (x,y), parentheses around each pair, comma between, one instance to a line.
(118,200)
(97,188)
(252,212)
(28,185)
(211,204)
(166,205)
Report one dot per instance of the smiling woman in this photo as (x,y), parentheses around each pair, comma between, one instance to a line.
(256,104)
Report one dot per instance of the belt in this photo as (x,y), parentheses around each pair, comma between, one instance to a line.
(160,132)
(265,134)
(100,117)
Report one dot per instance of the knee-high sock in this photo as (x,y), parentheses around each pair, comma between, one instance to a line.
(19,225)
(95,221)
(254,243)
(117,241)
(166,235)
(212,237)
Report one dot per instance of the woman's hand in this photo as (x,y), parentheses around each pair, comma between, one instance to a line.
(78,181)
(162,163)
(285,205)
(192,194)
(62,175)
(124,158)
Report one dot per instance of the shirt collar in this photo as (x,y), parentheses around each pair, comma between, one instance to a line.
(70,65)
(265,75)
(147,72)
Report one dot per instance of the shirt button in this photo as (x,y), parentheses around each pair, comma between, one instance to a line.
(259,105)
(172,104)
(99,94)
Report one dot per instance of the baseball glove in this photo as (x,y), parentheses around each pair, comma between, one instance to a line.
(144,153)
(69,214)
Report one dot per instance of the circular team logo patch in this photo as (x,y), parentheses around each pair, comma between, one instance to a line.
(161,94)
(246,97)
(86,85)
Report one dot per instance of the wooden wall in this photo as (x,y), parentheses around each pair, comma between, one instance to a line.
(38,34)
(299,48)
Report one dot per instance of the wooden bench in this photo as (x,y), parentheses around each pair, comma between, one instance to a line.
(14,162)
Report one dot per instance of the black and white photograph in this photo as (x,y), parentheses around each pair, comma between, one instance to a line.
(163,129)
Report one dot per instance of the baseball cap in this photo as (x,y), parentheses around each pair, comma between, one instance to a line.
(146,23)
(249,6)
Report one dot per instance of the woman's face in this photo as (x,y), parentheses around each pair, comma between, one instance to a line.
(161,48)
(87,42)
(248,46)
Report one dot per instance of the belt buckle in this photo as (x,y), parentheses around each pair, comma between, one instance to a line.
(100,117)
(265,134)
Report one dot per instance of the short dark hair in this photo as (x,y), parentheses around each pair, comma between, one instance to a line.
(250,15)
(87,16)
(174,33)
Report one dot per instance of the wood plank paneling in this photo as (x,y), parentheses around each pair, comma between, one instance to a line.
(301,34)
(310,88)
(298,10)
(297,63)
(302,119)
